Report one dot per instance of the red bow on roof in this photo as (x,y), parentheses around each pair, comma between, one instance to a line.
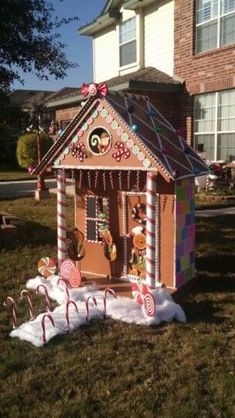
(93,89)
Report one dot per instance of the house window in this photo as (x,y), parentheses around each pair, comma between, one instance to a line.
(214,125)
(215,24)
(97,217)
(127,42)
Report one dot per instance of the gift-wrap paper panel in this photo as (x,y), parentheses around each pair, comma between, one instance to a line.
(185,231)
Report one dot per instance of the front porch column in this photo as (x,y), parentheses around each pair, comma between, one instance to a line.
(150,228)
(61,217)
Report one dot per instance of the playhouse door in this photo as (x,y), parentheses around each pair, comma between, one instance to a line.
(134,236)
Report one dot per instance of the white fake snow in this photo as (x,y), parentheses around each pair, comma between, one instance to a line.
(122,309)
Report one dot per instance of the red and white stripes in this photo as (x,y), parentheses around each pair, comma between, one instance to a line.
(150,228)
(61,216)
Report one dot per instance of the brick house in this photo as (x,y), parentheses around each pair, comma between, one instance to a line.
(179,53)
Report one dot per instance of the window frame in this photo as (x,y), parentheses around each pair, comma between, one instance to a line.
(96,219)
(120,44)
(218,19)
(216,132)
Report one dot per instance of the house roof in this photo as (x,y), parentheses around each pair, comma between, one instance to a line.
(169,150)
(110,14)
(148,79)
(26,99)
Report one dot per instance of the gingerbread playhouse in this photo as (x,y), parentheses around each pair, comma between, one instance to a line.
(134,191)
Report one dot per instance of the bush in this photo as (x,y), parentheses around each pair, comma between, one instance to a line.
(27,153)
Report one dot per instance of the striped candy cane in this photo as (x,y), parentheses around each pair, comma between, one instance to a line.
(45,292)
(27,295)
(61,217)
(150,229)
(70,302)
(65,286)
(111,292)
(10,301)
(43,326)
(87,305)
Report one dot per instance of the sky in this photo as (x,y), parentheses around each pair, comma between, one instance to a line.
(78,50)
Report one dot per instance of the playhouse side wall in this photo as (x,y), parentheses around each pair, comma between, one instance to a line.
(166,193)
(185,232)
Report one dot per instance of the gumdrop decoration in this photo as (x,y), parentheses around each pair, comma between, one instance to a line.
(135,127)
(121,152)
(78,151)
(158,129)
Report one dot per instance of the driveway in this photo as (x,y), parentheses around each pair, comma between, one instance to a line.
(23,188)
(206,213)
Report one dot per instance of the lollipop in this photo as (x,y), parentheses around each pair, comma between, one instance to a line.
(46,266)
(74,277)
(66,267)
(149,305)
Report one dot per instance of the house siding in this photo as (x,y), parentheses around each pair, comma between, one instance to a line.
(159,36)
(105,55)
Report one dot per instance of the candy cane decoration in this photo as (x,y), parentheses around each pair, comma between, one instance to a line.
(150,229)
(104,180)
(96,178)
(45,292)
(111,179)
(128,179)
(87,305)
(10,301)
(138,180)
(89,179)
(80,179)
(43,326)
(61,219)
(67,311)
(27,295)
(120,180)
(111,292)
(66,286)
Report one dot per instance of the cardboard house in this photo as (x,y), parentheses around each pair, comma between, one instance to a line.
(134,191)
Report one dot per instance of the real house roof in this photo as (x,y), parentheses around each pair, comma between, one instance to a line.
(148,79)
(169,150)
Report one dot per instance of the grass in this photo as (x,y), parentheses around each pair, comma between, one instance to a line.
(110,369)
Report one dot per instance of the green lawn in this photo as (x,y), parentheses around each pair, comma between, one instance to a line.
(110,369)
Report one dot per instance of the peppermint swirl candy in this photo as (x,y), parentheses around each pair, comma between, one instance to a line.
(92,89)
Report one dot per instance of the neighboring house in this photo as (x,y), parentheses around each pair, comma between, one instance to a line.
(179,53)
(31,103)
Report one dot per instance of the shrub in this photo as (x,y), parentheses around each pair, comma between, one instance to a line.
(27,153)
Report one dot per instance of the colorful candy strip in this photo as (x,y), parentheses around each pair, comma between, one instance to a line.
(10,301)
(27,295)
(150,229)
(45,292)
(43,326)
(70,302)
(87,305)
(111,292)
(61,219)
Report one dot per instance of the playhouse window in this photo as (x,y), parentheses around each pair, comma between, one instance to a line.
(97,217)
(215,24)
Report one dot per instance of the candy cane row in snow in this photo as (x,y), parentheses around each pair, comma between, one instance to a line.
(10,301)
(150,228)
(111,292)
(70,302)
(61,217)
(65,286)
(87,305)
(43,326)
(45,292)
(27,295)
